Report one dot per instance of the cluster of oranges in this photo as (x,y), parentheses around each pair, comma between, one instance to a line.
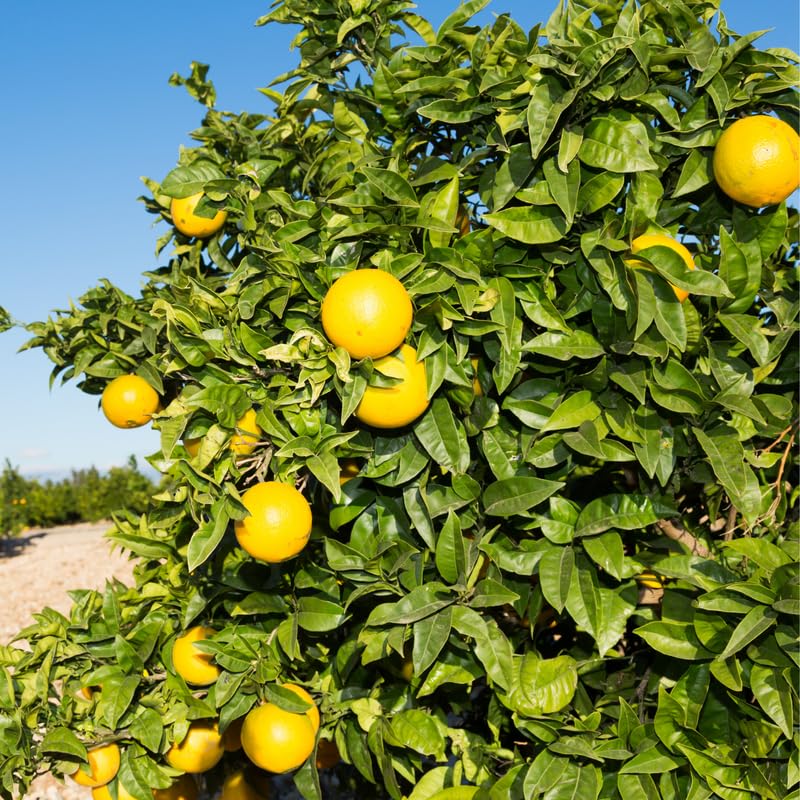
(756,162)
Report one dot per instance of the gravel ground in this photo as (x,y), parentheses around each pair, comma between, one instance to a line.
(36,570)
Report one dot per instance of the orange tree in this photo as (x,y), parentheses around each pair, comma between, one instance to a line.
(571,571)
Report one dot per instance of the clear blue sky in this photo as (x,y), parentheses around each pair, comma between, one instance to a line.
(87,110)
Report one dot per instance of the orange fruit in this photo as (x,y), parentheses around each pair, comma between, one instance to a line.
(659,239)
(327,754)
(348,469)
(395,406)
(243,441)
(232,738)
(200,750)
(277,740)
(238,787)
(757,161)
(129,401)
(191,224)
(279,524)
(247,434)
(103,766)
(367,312)
(183,788)
(102,793)
(313,712)
(477,389)
(193,665)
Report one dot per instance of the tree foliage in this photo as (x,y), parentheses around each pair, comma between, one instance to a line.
(581,580)
(87,495)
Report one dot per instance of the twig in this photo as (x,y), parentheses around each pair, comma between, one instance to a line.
(778,440)
(678,533)
(730,525)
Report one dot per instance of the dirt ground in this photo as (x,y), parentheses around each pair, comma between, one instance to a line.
(36,570)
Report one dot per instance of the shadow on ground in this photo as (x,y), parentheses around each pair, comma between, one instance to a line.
(15,545)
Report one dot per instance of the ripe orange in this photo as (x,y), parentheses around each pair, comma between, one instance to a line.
(313,712)
(395,406)
(183,788)
(103,766)
(327,754)
(232,738)
(757,161)
(200,750)
(367,312)
(102,793)
(279,524)
(348,468)
(477,389)
(238,787)
(247,434)
(659,239)
(129,401)
(277,740)
(191,224)
(193,665)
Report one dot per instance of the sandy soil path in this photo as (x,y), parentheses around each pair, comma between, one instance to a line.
(36,570)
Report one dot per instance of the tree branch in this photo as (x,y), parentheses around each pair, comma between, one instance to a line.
(678,533)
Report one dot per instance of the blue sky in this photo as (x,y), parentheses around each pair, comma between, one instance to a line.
(87,111)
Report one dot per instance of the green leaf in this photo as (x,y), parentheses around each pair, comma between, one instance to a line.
(517,495)
(421,602)
(626,511)
(430,637)
(206,538)
(555,575)
(317,614)
(756,621)
(773,694)
(543,685)
(565,346)
(450,552)
(549,99)
(673,639)
(564,186)
(185,181)
(529,224)
(726,456)
(611,145)
(653,760)
(443,436)
(573,411)
(62,741)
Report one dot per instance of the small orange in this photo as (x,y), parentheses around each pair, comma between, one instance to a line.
(348,469)
(102,793)
(477,389)
(277,740)
(232,738)
(241,786)
(103,766)
(327,754)
(368,312)
(191,224)
(757,161)
(193,665)
(659,239)
(200,750)
(183,788)
(247,434)
(395,406)
(129,401)
(279,524)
